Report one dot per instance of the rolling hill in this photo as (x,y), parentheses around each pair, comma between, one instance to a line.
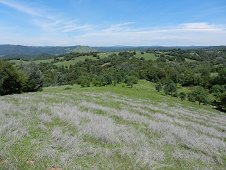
(17,50)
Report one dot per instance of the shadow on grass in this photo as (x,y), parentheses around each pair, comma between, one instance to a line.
(220,109)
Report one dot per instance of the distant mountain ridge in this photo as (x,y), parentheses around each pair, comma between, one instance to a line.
(7,50)
(144,48)
(21,51)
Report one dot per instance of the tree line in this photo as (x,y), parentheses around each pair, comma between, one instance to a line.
(205,70)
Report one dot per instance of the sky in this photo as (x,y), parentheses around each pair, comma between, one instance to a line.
(113,22)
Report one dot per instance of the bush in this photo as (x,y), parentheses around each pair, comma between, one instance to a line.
(200,95)
(34,78)
(182,96)
(170,87)
(217,90)
(84,81)
(191,97)
(223,100)
(131,80)
(11,80)
(158,86)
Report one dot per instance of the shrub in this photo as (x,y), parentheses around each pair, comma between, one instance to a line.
(158,87)
(84,81)
(170,88)
(34,78)
(223,100)
(200,95)
(131,80)
(182,96)
(11,80)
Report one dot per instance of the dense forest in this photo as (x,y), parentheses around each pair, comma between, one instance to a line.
(202,69)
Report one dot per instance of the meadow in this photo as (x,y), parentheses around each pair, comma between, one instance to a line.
(110,127)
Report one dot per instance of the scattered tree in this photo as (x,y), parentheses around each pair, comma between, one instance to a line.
(131,80)
(170,88)
(200,95)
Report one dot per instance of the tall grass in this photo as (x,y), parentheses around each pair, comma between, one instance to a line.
(88,130)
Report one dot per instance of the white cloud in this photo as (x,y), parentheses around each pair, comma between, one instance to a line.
(21,8)
(119,27)
(177,35)
(182,34)
(59,30)
(46,20)
(202,26)
(61,25)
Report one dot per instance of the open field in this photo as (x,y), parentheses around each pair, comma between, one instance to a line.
(146,56)
(18,62)
(109,127)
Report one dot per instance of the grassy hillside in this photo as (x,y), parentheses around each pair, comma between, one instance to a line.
(146,56)
(111,127)
(31,51)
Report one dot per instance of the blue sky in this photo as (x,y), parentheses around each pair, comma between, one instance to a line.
(113,22)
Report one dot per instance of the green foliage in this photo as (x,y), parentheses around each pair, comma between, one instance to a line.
(158,87)
(106,79)
(221,78)
(223,100)
(191,97)
(188,78)
(131,80)
(217,90)
(97,81)
(27,78)
(11,80)
(84,81)
(199,94)
(170,87)
(60,78)
(34,78)
(186,67)
(182,96)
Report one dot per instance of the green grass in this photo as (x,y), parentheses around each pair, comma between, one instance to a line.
(61,63)
(147,56)
(18,62)
(189,60)
(144,90)
(43,61)
(61,124)
(74,61)
(82,58)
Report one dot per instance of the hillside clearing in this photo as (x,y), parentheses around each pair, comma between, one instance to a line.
(109,127)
